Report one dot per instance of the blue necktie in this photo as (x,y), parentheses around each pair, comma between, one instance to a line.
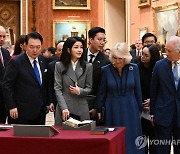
(175,73)
(36,71)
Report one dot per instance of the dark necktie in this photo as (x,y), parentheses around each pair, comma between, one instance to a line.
(91,58)
(36,71)
(175,73)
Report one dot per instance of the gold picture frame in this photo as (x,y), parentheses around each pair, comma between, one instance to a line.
(71,5)
(67,28)
(142,31)
(144,3)
(166,20)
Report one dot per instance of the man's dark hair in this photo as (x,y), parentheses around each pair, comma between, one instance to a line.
(33,35)
(52,50)
(149,35)
(93,31)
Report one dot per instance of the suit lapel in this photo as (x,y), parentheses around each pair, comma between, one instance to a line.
(29,67)
(42,68)
(71,73)
(78,70)
(97,61)
(169,71)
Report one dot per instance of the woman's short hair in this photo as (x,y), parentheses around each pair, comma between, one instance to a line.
(121,50)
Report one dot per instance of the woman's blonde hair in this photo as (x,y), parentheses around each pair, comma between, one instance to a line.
(121,50)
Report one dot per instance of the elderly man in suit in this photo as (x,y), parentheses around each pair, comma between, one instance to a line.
(24,84)
(4,58)
(138,51)
(165,98)
(94,55)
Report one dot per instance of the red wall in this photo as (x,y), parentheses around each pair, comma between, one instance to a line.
(143,17)
(45,16)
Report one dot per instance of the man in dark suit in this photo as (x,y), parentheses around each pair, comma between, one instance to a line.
(138,51)
(165,98)
(51,68)
(94,55)
(4,58)
(24,84)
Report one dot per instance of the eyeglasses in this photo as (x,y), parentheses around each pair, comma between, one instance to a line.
(102,40)
(149,42)
(145,56)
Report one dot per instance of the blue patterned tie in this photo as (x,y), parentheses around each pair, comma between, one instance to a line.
(175,73)
(36,71)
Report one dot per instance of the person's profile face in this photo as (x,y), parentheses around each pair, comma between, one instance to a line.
(149,40)
(171,53)
(2,36)
(59,49)
(98,42)
(146,56)
(33,48)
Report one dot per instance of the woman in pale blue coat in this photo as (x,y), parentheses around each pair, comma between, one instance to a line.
(120,94)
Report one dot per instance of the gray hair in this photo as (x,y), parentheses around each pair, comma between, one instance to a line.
(176,41)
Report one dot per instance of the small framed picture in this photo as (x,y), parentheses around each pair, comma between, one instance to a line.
(144,3)
(64,29)
(142,31)
(71,4)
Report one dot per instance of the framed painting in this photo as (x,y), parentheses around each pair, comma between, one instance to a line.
(166,21)
(72,5)
(144,3)
(64,29)
(142,31)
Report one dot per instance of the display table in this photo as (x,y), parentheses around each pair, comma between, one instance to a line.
(67,142)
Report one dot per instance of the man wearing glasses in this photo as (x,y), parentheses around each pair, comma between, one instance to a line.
(147,38)
(94,54)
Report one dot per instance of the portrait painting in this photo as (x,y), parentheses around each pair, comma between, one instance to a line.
(144,3)
(71,4)
(166,22)
(64,29)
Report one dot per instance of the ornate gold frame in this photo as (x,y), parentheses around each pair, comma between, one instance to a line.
(65,23)
(163,8)
(71,7)
(144,3)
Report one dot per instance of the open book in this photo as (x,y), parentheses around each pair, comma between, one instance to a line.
(76,123)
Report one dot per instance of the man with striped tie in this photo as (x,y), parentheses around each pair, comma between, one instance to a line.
(24,84)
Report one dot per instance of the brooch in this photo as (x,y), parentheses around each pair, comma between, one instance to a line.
(130,68)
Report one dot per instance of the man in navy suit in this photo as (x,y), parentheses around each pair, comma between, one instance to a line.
(4,59)
(24,84)
(51,68)
(97,41)
(165,98)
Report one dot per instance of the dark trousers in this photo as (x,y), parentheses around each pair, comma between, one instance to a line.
(3,113)
(40,120)
(168,133)
(148,131)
